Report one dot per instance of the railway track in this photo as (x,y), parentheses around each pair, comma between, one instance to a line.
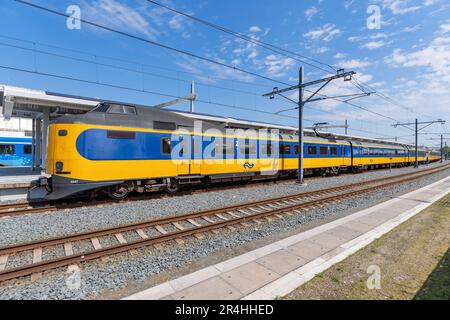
(196,224)
(26,208)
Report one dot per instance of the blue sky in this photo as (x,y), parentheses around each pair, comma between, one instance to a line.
(407,59)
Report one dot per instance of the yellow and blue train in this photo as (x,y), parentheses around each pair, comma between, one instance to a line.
(118,149)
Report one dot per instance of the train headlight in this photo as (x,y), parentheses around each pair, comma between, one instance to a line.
(59,167)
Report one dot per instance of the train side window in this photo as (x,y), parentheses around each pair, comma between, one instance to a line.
(219,147)
(250,148)
(266,148)
(27,149)
(161,125)
(228,148)
(343,151)
(7,149)
(312,150)
(119,109)
(323,151)
(121,135)
(166,145)
(334,151)
(296,149)
(285,149)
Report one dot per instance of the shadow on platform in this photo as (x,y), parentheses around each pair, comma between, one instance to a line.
(19,171)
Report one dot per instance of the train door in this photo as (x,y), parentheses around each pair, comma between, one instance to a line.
(195,164)
(356,152)
(343,156)
(182,153)
(189,154)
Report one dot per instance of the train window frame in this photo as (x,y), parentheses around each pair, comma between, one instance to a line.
(323,148)
(122,135)
(25,147)
(101,108)
(250,145)
(229,147)
(266,148)
(113,109)
(218,150)
(334,151)
(285,149)
(3,149)
(164,125)
(163,152)
(312,153)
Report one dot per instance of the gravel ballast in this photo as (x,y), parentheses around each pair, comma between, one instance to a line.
(120,270)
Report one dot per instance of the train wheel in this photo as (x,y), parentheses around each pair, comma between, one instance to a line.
(174,187)
(118,192)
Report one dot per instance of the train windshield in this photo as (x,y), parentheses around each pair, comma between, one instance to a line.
(115,108)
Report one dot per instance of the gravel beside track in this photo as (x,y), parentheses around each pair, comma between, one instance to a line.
(119,270)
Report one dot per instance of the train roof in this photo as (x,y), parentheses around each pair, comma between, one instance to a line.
(28,102)
(287,130)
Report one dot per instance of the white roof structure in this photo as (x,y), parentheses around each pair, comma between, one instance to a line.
(23,102)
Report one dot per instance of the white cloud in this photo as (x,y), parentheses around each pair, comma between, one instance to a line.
(149,21)
(309,13)
(254,29)
(278,66)
(340,55)
(118,15)
(353,64)
(430,94)
(326,33)
(444,28)
(412,29)
(430,2)
(321,50)
(348,3)
(372,45)
(355,38)
(400,7)
(379,36)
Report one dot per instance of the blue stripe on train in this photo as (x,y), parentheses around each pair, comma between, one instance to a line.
(94,144)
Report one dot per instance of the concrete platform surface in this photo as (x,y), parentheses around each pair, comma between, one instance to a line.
(279,268)
(15,181)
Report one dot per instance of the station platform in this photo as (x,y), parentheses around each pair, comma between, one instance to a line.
(15,181)
(277,269)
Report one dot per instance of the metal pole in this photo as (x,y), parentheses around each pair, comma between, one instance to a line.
(442,148)
(192,93)
(300,126)
(33,143)
(417,141)
(346,127)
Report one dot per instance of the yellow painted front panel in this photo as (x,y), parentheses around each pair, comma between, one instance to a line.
(50,161)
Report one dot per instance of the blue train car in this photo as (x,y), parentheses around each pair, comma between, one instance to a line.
(15,151)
